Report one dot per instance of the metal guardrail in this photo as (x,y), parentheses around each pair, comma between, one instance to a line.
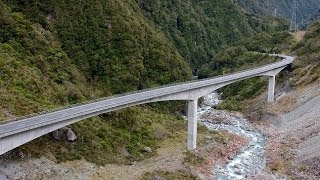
(283,63)
(90,108)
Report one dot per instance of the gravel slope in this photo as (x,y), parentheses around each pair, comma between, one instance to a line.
(304,123)
(299,125)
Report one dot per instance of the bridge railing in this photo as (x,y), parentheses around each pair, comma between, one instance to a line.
(284,62)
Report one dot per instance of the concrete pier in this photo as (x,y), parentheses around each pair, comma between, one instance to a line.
(192,124)
(272,83)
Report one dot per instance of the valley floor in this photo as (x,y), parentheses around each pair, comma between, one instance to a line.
(292,125)
(171,157)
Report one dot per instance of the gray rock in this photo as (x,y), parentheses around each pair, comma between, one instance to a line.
(124,152)
(160,134)
(147,149)
(4,177)
(237,167)
(238,172)
(71,136)
(156,178)
(57,135)
(133,163)
(64,133)
(21,154)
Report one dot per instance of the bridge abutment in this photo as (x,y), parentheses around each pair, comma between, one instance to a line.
(192,124)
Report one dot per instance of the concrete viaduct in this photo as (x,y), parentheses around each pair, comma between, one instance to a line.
(16,133)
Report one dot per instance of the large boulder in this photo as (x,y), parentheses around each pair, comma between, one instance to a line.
(71,136)
(147,149)
(64,134)
(124,152)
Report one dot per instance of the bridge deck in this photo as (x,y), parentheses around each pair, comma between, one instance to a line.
(36,121)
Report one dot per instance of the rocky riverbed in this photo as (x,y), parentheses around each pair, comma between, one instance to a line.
(250,161)
(241,157)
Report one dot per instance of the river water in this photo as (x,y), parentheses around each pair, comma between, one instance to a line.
(250,160)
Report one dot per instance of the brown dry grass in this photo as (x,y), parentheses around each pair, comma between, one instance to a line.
(283,105)
(299,35)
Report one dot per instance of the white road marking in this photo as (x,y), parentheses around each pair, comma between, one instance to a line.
(23,124)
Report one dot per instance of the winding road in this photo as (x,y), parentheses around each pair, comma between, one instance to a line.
(16,133)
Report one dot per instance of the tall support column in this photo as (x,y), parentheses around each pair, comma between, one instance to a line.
(272,83)
(192,124)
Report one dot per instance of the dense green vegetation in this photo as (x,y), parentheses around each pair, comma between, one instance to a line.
(180,175)
(308,62)
(117,137)
(36,74)
(110,42)
(51,61)
(56,53)
(244,55)
(283,8)
(199,29)
(315,17)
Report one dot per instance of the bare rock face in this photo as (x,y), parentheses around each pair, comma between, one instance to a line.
(71,136)
(64,134)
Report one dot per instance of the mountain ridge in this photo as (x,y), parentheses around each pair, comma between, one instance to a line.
(283,8)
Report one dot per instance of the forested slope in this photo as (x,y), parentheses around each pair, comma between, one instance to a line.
(199,29)
(308,52)
(55,53)
(59,53)
(306,8)
(244,55)
(315,17)
(110,42)
(36,74)
(84,50)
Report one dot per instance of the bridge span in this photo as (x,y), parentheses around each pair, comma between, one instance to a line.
(16,133)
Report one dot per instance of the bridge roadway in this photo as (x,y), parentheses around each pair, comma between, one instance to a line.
(16,133)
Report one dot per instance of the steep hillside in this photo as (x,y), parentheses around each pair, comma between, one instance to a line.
(244,55)
(295,148)
(308,52)
(55,53)
(110,42)
(122,53)
(199,29)
(71,56)
(293,143)
(298,122)
(283,7)
(36,74)
(314,17)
